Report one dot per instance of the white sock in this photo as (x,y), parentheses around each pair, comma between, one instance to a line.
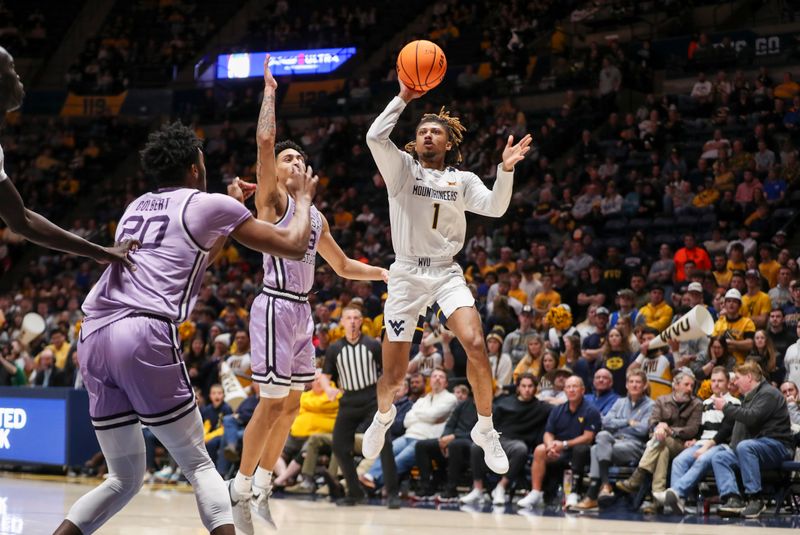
(385,417)
(485,423)
(535,492)
(262,478)
(242,484)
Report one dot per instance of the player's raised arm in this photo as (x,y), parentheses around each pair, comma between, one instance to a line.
(494,202)
(393,163)
(266,172)
(344,266)
(290,242)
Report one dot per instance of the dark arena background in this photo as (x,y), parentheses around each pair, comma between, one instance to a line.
(662,186)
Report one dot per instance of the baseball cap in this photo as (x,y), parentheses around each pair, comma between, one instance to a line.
(601,310)
(752,273)
(781,233)
(527,309)
(695,287)
(733,293)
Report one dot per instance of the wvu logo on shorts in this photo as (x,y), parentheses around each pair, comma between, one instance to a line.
(397,326)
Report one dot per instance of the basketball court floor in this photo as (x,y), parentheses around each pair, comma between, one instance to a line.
(34,505)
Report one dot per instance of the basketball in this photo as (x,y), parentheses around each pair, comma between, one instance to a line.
(421,65)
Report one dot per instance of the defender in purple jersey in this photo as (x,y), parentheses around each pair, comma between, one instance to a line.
(281,327)
(130,357)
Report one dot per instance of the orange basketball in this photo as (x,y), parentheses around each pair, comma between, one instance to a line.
(421,65)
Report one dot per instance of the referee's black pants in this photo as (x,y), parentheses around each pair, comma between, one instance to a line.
(355,408)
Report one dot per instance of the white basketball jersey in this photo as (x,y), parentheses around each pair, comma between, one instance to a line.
(427,207)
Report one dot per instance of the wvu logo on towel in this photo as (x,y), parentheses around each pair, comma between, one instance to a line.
(397,326)
(580,419)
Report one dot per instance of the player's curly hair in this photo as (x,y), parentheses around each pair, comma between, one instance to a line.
(170,152)
(289,144)
(455,133)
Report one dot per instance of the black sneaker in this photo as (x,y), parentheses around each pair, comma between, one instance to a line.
(394,502)
(350,501)
(424,494)
(753,508)
(732,506)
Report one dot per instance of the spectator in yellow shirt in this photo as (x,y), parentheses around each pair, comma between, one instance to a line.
(721,272)
(768,266)
(60,348)
(736,257)
(756,305)
(514,289)
(481,266)
(788,89)
(547,298)
(656,314)
(735,330)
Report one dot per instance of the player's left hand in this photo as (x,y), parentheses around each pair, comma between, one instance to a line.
(119,253)
(241,190)
(385,275)
(269,80)
(513,154)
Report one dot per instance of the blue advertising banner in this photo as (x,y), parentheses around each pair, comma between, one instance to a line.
(283,63)
(33,430)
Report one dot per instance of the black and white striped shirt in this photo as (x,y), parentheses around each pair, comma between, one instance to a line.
(354,366)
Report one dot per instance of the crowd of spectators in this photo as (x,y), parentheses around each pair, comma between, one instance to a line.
(143,44)
(677,204)
(34,29)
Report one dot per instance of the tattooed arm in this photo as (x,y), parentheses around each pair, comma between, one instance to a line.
(270,201)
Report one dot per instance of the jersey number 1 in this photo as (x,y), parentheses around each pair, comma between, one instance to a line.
(435,214)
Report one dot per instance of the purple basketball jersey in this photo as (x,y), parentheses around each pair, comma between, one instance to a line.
(296,276)
(177,228)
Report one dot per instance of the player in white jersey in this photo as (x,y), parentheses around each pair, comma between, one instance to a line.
(428,201)
(281,327)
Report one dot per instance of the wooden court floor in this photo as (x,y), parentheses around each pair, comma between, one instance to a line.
(36,505)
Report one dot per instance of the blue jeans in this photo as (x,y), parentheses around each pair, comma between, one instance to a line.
(751,457)
(404,450)
(232,434)
(687,471)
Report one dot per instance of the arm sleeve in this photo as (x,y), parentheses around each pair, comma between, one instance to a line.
(452,422)
(394,165)
(692,427)
(208,216)
(758,411)
(614,420)
(489,202)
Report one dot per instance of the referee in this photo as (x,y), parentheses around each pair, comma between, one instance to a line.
(354,363)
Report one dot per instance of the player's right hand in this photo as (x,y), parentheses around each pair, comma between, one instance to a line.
(119,253)
(269,80)
(307,182)
(408,94)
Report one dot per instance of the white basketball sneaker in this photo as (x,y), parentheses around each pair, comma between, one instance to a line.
(260,504)
(493,454)
(242,519)
(375,435)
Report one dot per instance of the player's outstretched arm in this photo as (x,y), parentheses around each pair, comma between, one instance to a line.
(393,163)
(494,202)
(266,173)
(290,242)
(345,267)
(41,231)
